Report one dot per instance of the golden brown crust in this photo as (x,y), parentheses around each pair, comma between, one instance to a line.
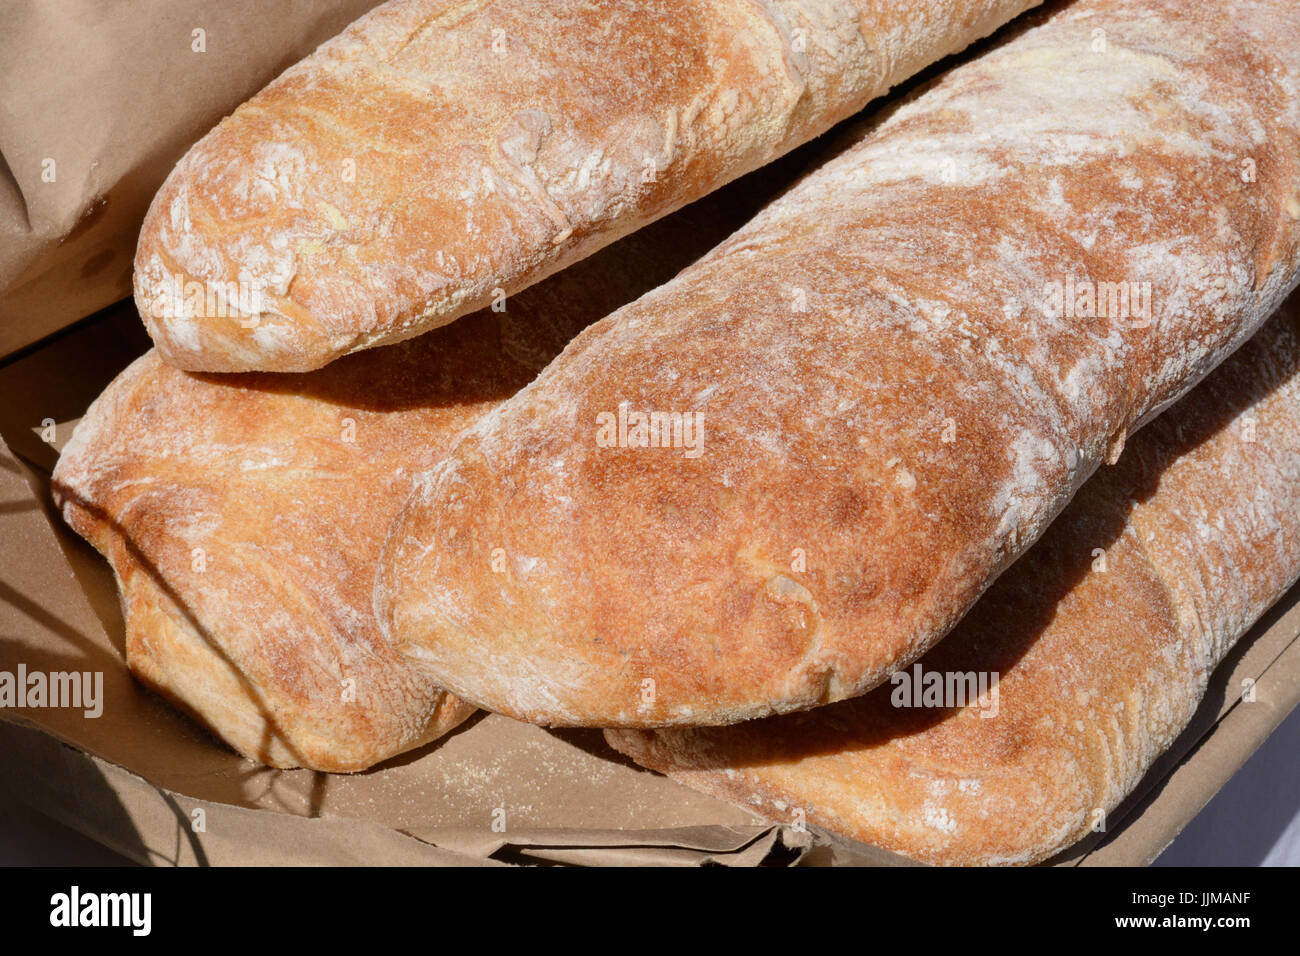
(437,150)
(1103,657)
(870,464)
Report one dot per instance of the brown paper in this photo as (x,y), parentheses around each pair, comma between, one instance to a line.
(98,100)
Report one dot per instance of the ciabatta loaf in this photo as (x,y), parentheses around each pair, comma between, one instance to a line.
(1093,651)
(438,151)
(767,484)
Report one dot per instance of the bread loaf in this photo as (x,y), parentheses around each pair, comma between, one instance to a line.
(767,484)
(239,515)
(1096,647)
(436,152)
(244,514)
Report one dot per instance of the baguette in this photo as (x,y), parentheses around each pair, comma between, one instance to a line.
(1102,639)
(244,514)
(436,152)
(887,403)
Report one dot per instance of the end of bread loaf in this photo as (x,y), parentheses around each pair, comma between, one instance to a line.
(596,630)
(261,252)
(198,491)
(210,308)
